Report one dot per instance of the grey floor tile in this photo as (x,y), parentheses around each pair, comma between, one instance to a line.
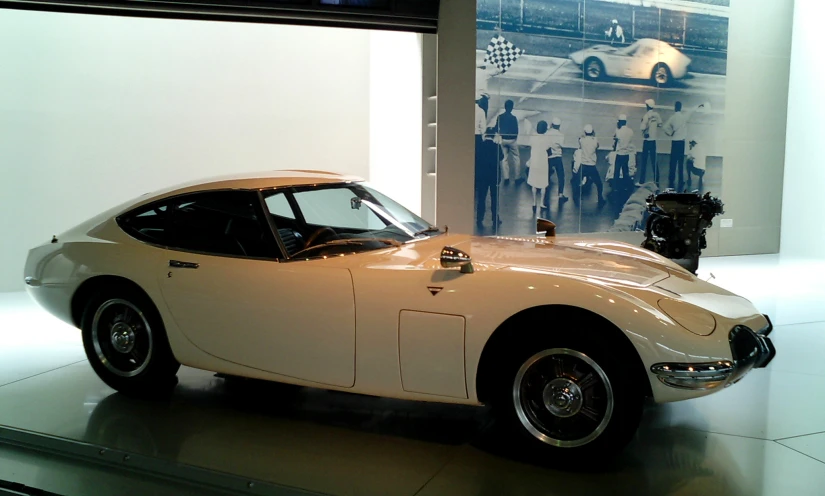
(812,445)
(32,341)
(659,462)
(766,404)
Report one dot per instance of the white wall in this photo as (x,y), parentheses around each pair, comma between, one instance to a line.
(759,53)
(803,228)
(97,110)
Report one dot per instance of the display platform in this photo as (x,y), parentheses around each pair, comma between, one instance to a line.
(763,436)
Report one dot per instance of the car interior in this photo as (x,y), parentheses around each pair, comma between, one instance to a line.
(227,223)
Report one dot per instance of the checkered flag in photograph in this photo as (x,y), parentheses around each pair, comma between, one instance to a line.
(502,53)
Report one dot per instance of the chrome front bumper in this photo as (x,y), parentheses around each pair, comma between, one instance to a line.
(750,350)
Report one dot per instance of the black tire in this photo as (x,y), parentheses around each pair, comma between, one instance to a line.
(568,447)
(134,356)
(661,75)
(593,69)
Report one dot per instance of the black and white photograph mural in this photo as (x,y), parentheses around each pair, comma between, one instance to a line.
(586,107)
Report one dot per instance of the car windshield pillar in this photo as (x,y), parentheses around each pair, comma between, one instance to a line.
(307,217)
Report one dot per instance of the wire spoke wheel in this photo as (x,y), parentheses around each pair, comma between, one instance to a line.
(563,397)
(122,337)
(594,69)
(661,75)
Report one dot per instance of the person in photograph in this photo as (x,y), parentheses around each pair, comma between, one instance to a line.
(507,130)
(483,75)
(651,122)
(587,154)
(538,175)
(482,183)
(615,33)
(482,105)
(696,159)
(487,179)
(676,128)
(622,146)
(556,164)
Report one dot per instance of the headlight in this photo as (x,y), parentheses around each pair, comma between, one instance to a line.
(691,317)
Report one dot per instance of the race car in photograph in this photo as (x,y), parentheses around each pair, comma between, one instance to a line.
(319,280)
(647,58)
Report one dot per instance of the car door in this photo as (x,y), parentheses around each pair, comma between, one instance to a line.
(643,61)
(231,296)
(617,64)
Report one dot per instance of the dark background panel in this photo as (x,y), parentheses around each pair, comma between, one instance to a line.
(399,15)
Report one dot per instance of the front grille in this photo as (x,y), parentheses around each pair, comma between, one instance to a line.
(743,344)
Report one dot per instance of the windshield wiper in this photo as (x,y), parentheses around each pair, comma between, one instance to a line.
(360,241)
(348,241)
(430,229)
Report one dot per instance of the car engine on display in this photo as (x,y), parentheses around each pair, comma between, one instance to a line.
(677,225)
(283,275)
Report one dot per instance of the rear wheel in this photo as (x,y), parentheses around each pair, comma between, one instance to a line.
(125,342)
(569,399)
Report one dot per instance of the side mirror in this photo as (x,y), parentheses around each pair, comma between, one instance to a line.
(453,257)
(546,227)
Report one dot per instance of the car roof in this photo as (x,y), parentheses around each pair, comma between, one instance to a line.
(655,42)
(250,181)
(270,179)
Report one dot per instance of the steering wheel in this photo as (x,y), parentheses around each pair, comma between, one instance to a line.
(317,234)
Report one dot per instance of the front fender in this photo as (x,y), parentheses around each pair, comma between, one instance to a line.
(654,335)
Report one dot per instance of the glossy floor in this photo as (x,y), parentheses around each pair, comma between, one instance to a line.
(766,435)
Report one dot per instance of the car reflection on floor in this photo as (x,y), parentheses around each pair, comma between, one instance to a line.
(341,443)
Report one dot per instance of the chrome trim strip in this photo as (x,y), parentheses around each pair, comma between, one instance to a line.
(697,376)
(768,328)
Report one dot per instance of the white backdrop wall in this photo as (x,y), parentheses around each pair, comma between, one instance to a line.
(395,116)
(97,110)
(803,230)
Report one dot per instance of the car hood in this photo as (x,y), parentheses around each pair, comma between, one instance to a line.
(602,260)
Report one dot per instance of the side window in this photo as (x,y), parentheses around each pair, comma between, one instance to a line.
(337,207)
(279,205)
(146,224)
(219,223)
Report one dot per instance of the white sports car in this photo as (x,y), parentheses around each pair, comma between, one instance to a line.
(645,59)
(317,279)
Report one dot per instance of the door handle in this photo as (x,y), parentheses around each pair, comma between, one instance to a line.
(183,265)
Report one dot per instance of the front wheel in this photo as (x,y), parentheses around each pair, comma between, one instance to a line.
(661,75)
(125,342)
(570,400)
(593,69)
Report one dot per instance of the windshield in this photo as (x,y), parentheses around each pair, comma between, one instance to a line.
(339,219)
(630,50)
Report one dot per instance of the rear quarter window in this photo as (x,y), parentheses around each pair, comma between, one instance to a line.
(146,224)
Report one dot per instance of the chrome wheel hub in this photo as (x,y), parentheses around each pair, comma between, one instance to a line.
(123,337)
(562,397)
(661,75)
(593,70)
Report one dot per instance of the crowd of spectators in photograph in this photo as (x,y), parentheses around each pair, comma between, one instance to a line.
(498,157)
(634,22)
